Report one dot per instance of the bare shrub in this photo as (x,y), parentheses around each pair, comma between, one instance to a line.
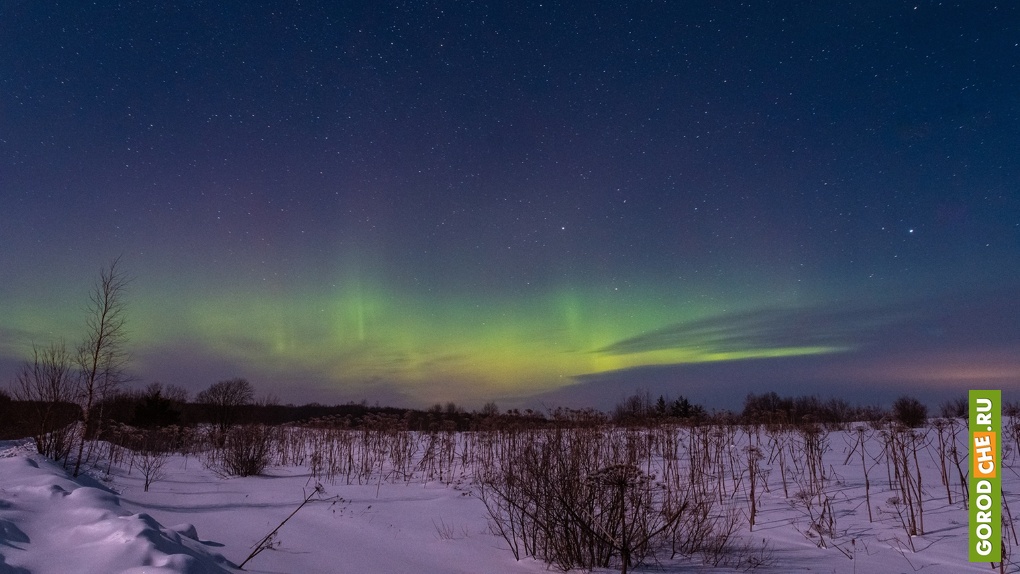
(957,408)
(245,452)
(591,497)
(151,458)
(46,384)
(910,412)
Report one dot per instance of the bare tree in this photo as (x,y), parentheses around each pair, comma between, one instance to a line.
(101,357)
(224,399)
(47,383)
(173,393)
(151,453)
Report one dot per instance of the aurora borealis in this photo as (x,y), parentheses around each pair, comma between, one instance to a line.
(532,203)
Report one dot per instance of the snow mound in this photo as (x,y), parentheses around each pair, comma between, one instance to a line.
(12,448)
(50,524)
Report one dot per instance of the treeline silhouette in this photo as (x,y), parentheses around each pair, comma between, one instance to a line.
(162,406)
(151,412)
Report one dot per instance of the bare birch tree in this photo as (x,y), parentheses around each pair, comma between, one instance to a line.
(102,356)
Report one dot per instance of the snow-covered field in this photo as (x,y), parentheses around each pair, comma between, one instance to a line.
(193,520)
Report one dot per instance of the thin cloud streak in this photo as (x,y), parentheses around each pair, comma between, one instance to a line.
(935,348)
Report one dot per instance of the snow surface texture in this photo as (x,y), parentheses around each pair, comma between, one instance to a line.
(51,524)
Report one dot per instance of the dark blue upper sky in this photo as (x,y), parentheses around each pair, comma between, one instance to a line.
(469,200)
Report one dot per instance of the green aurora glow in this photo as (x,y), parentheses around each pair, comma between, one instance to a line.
(457,347)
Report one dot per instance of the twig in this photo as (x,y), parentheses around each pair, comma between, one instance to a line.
(267,541)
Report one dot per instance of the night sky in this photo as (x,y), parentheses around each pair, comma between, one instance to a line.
(535,203)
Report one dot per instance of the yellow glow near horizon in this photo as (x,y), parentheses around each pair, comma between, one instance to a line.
(355,334)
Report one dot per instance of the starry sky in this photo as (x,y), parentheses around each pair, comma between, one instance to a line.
(535,203)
